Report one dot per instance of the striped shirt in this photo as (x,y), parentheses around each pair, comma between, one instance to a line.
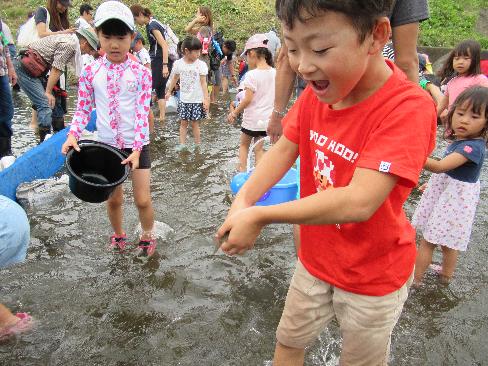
(57,50)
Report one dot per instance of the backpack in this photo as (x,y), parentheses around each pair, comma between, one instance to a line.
(215,51)
(28,32)
(170,38)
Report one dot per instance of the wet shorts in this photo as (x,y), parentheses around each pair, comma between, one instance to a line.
(144,158)
(366,322)
(253,133)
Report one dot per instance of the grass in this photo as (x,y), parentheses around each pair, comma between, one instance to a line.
(450,22)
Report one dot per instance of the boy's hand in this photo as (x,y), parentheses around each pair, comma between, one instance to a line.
(70,143)
(243,227)
(133,160)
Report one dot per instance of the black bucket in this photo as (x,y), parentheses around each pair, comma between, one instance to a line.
(95,171)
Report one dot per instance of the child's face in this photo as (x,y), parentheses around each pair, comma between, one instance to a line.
(192,55)
(466,124)
(116,47)
(226,51)
(251,59)
(461,64)
(326,52)
(138,46)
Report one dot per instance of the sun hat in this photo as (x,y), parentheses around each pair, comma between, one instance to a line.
(90,36)
(258,40)
(66,3)
(114,10)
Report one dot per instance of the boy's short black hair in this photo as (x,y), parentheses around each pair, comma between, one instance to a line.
(191,43)
(114,27)
(85,8)
(362,14)
(230,45)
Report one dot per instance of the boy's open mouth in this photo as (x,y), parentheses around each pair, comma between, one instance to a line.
(320,85)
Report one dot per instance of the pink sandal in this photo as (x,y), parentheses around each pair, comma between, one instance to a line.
(118,243)
(23,325)
(146,248)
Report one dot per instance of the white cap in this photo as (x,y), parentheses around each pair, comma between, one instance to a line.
(114,10)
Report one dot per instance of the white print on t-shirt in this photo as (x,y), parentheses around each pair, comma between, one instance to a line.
(323,171)
(334,146)
(385,166)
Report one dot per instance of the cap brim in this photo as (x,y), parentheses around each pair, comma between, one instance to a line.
(99,22)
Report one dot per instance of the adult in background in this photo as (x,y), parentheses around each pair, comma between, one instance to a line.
(274,43)
(56,52)
(161,63)
(57,22)
(14,240)
(7,75)
(86,17)
(405,19)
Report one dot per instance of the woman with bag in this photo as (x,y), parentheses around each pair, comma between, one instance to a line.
(159,50)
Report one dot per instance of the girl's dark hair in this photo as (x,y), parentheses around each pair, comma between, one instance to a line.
(262,52)
(477,99)
(114,27)
(362,14)
(139,9)
(57,21)
(231,45)
(207,13)
(191,43)
(469,48)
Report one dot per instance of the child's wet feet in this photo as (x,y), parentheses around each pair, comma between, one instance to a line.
(146,248)
(118,243)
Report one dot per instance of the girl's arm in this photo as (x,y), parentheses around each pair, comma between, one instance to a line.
(43,31)
(164,45)
(248,97)
(171,86)
(443,103)
(203,84)
(84,108)
(450,162)
(141,125)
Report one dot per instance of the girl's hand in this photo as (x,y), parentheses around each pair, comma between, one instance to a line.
(167,96)
(133,160)
(206,104)
(165,71)
(243,228)
(70,143)
(69,31)
(201,19)
(231,118)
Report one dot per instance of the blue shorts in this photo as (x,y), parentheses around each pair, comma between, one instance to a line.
(14,232)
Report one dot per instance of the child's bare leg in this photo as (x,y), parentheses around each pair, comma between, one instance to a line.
(287,356)
(33,123)
(114,210)
(195,127)
(151,121)
(7,319)
(141,179)
(424,259)
(258,150)
(449,260)
(183,131)
(225,85)
(162,110)
(244,151)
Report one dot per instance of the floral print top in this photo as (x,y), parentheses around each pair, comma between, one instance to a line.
(121,94)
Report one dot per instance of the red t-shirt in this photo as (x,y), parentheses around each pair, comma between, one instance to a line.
(392,131)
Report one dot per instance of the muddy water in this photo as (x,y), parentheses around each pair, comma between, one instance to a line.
(187,306)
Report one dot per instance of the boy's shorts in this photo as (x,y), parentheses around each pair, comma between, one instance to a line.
(366,322)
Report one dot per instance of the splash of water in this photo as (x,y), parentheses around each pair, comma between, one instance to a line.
(160,231)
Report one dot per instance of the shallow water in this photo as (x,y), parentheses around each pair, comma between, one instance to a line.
(188,306)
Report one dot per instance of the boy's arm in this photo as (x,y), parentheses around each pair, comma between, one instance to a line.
(451,161)
(141,125)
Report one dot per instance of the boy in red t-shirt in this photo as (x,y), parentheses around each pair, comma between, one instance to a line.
(363,133)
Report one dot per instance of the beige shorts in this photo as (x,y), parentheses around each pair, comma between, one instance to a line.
(366,322)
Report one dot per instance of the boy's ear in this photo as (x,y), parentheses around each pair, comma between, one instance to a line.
(381,35)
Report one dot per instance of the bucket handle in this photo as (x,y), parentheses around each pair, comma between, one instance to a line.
(122,152)
(251,148)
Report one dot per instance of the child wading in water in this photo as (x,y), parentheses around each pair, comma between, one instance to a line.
(447,208)
(464,64)
(194,100)
(121,90)
(258,100)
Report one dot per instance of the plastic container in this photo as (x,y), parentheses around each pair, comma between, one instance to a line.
(95,171)
(283,191)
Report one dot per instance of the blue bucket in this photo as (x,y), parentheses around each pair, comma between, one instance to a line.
(283,191)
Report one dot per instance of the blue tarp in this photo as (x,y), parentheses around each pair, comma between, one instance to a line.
(40,162)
